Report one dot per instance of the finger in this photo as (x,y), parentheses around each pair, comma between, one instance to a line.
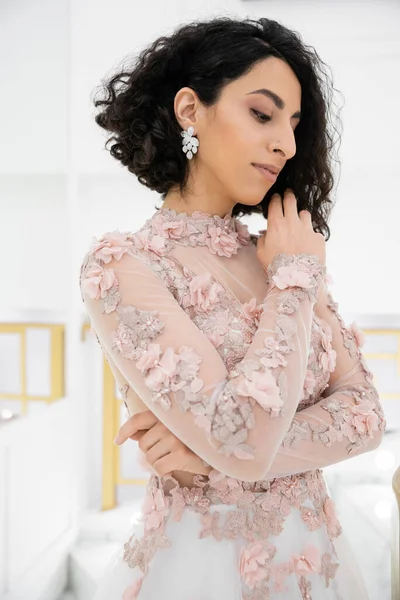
(159,450)
(175,461)
(260,241)
(152,437)
(290,205)
(142,420)
(275,208)
(305,216)
(138,435)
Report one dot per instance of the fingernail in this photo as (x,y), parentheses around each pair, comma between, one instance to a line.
(117,440)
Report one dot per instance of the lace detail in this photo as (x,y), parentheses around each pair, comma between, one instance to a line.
(232,419)
(135,330)
(167,372)
(257,516)
(222,235)
(355,419)
(304,272)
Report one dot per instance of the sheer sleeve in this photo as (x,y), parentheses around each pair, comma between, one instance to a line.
(234,420)
(348,420)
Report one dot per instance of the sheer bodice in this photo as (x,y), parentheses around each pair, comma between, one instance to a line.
(230,356)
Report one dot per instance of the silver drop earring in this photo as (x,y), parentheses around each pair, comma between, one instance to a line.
(189,143)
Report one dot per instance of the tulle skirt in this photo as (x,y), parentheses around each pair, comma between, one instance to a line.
(191,548)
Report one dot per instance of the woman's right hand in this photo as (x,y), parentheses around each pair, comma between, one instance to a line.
(289,232)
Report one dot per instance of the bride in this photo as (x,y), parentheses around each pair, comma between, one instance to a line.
(240,376)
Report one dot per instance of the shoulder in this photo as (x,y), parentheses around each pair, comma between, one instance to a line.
(113,245)
(96,274)
(116,251)
(110,246)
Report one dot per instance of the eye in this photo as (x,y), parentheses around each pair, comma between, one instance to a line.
(260,116)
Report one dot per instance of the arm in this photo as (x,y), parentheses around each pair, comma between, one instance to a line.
(235,420)
(348,420)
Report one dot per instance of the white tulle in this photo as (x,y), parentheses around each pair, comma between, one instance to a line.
(206,569)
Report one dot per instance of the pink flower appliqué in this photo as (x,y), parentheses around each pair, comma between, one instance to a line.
(243,232)
(327,359)
(264,389)
(123,342)
(290,276)
(144,240)
(307,562)
(173,229)
(111,245)
(253,562)
(358,334)
(98,281)
(131,593)
(365,419)
(252,310)
(215,337)
(223,243)
(204,292)
(309,382)
(333,524)
(221,482)
(160,369)
(273,353)
(155,508)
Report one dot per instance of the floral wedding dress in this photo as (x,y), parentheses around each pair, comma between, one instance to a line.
(237,362)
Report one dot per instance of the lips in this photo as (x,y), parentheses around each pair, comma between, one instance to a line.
(271,168)
(266,173)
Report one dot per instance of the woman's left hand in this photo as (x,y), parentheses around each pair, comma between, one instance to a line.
(163,451)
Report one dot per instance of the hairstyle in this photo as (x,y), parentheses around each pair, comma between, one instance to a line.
(137,106)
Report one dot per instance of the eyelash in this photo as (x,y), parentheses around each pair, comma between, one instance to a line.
(258,113)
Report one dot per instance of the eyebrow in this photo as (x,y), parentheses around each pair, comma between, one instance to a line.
(277,100)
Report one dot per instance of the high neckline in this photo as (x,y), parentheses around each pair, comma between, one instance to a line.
(227,222)
(168,227)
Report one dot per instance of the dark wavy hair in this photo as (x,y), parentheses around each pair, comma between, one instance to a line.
(137,106)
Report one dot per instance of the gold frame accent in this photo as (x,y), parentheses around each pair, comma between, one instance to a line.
(57,388)
(385,356)
(112,453)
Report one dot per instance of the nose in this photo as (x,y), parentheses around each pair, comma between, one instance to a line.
(286,144)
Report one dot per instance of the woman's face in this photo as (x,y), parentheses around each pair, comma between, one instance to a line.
(242,128)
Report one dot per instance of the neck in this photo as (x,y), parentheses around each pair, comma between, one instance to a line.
(204,198)
(189,208)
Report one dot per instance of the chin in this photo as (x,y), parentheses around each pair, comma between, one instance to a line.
(252,199)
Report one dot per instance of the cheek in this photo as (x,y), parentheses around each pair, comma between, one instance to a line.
(232,149)
(229,148)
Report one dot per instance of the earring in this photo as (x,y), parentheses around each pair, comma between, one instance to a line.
(189,143)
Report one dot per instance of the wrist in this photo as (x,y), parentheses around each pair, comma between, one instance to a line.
(302,271)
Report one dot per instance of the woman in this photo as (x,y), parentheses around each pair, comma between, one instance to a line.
(227,344)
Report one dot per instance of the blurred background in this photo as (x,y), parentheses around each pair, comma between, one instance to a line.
(67,494)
